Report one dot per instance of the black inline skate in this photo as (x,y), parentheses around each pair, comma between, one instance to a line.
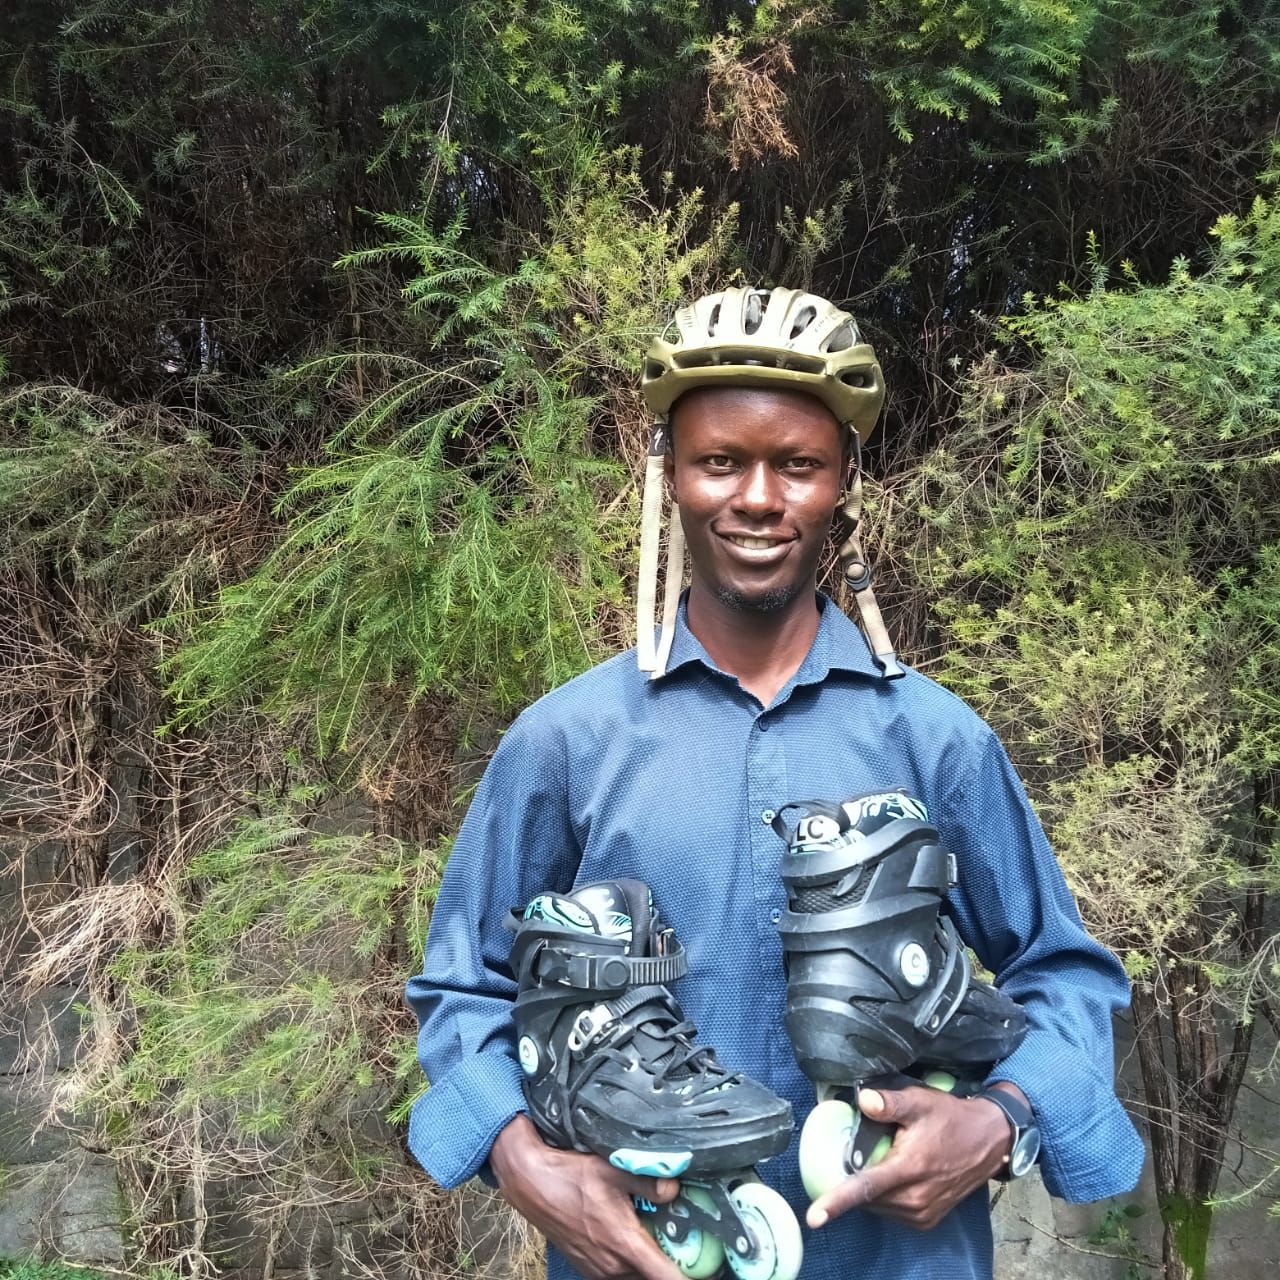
(880,990)
(611,1067)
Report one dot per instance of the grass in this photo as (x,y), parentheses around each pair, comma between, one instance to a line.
(33,1269)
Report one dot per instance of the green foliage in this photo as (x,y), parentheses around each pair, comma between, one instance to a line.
(952,55)
(1104,537)
(33,1269)
(1115,1230)
(1103,534)
(463,539)
(105,494)
(264,1011)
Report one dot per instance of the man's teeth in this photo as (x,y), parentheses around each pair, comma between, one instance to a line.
(753,544)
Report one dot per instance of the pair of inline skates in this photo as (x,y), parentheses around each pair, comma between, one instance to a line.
(878,985)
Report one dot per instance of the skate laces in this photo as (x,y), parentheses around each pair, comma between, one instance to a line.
(648,1022)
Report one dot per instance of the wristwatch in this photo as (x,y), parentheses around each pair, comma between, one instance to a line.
(1026,1133)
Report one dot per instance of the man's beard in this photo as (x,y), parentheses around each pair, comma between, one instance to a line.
(768,602)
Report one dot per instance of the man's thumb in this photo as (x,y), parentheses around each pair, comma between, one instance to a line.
(665,1189)
(877,1104)
(658,1190)
(895,1105)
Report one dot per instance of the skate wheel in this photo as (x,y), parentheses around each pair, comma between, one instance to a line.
(825,1143)
(700,1254)
(774,1230)
(824,1146)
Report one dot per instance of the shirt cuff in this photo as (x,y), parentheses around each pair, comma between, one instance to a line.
(453,1125)
(1089,1148)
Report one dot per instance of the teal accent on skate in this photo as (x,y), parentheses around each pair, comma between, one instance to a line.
(655,1164)
(555,909)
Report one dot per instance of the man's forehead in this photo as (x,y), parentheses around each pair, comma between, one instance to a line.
(726,409)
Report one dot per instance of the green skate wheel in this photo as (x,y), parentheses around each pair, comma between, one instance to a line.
(774,1231)
(700,1254)
(825,1143)
(943,1080)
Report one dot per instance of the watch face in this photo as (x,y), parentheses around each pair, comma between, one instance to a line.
(1024,1152)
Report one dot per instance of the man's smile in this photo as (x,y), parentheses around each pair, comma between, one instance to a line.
(760,546)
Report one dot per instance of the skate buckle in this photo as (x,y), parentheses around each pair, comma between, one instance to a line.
(589,1026)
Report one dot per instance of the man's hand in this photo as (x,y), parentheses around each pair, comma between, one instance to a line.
(582,1204)
(944,1148)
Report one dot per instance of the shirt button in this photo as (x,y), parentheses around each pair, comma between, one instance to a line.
(775,915)
(767,816)
(763,725)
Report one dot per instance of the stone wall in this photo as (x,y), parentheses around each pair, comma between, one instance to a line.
(58,1198)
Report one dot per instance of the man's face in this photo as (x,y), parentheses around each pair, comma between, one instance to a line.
(758,475)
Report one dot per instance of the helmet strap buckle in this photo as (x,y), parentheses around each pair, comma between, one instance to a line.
(857,573)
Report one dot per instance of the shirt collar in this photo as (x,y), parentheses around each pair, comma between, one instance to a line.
(839,645)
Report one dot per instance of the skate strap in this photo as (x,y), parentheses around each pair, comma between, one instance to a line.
(822,808)
(948,991)
(606,1019)
(610,972)
(807,870)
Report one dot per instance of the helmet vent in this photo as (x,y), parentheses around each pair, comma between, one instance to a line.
(715,320)
(802,322)
(856,378)
(842,339)
(754,314)
(653,369)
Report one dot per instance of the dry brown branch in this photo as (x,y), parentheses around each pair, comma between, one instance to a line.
(745,100)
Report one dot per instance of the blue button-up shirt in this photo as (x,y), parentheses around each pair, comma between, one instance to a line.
(674,782)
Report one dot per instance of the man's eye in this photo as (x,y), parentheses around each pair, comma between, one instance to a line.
(719,460)
(803,464)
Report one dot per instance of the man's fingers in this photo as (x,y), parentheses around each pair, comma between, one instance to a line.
(664,1189)
(858,1189)
(895,1106)
(658,1190)
(650,1262)
(656,1265)
(647,1256)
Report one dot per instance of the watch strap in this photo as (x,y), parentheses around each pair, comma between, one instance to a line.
(1022,1122)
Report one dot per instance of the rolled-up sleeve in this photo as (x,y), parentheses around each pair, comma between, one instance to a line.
(515,841)
(1013,907)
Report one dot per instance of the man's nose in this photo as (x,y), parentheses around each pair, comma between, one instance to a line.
(760,492)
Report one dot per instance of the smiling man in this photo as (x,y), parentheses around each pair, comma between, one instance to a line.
(757,475)
(668,764)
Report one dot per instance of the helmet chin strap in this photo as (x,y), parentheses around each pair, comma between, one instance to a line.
(671,596)
(650,657)
(650,548)
(857,573)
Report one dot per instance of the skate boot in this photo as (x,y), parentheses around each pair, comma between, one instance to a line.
(611,1067)
(880,990)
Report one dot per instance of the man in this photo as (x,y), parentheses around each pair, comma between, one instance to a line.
(759,691)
